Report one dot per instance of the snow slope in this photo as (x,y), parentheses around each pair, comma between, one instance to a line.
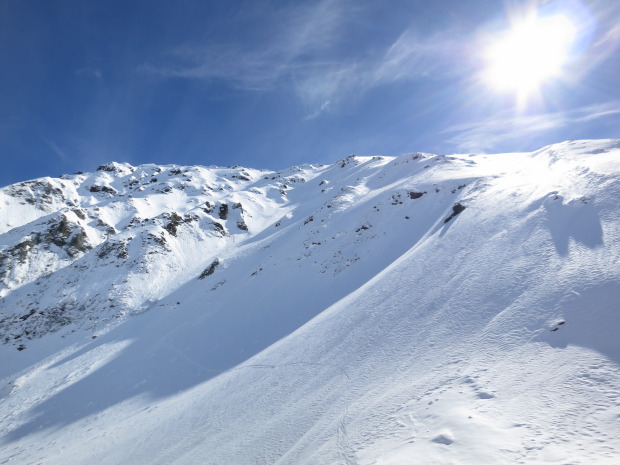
(422,309)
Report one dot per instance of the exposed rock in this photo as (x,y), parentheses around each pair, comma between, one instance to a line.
(116,248)
(351,159)
(396,199)
(107,189)
(59,232)
(21,250)
(160,240)
(208,271)
(79,243)
(114,167)
(79,213)
(415,195)
(456,209)
(175,221)
(219,228)
(39,192)
(223,212)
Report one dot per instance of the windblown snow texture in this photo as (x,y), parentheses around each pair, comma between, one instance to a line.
(419,309)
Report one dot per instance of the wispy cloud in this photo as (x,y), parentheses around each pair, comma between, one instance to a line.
(259,65)
(322,86)
(56,149)
(304,55)
(412,56)
(486,134)
(606,46)
(91,72)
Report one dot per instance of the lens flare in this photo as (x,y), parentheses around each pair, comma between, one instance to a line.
(529,54)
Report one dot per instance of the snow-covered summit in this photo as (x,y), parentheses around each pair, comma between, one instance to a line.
(155,226)
(417,309)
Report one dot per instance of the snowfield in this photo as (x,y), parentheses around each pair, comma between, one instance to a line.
(424,309)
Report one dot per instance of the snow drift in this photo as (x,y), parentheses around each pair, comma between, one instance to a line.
(420,309)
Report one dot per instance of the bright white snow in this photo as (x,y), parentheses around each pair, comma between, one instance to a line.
(356,313)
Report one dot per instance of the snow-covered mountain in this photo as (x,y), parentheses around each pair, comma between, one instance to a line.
(422,309)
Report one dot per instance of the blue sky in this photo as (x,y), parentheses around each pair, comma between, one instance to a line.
(271,84)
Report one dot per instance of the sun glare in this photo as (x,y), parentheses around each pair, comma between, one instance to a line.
(529,54)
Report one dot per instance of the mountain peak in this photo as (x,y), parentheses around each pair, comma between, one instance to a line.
(371,310)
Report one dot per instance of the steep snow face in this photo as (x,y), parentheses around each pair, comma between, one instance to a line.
(87,249)
(419,309)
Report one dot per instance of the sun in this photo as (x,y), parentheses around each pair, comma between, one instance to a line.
(530,53)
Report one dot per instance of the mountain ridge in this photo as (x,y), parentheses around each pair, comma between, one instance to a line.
(423,308)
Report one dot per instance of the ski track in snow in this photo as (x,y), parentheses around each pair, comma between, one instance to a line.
(423,309)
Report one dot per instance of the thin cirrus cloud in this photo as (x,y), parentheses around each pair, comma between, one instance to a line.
(604,48)
(323,85)
(90,72)
(258,64)
(489,133)
(320,85)
(305,56)
(413,57)
(62,155)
